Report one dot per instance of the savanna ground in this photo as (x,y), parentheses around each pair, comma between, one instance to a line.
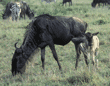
(98,20)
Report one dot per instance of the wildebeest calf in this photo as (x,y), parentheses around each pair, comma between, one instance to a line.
(93,46)
(65,1)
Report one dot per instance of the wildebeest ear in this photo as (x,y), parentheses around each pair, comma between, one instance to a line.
(95,33)
(78,40)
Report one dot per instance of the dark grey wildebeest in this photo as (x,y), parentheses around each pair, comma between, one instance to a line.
(65,1)
(49,30)
(95,2)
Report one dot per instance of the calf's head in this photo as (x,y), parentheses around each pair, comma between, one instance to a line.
(89,37)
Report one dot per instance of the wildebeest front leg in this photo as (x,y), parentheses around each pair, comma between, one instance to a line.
(43,57)
(52,47)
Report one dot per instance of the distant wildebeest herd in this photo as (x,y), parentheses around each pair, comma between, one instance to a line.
(16,9)
(47,30)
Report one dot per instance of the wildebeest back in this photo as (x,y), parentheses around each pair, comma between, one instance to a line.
(59,28)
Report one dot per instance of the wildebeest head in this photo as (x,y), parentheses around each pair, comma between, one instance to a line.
(18,61)
(4,16)
(89,37)
(7,11)
(29,13)
(93,4)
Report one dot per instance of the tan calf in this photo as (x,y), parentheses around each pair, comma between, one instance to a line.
(93,50)
(93,47)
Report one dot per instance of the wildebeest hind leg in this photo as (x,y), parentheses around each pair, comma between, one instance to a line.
(86,59)
(52,47)
(78,55)
(86,54)
(43,57)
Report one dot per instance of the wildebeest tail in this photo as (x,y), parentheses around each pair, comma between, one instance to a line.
(79,40)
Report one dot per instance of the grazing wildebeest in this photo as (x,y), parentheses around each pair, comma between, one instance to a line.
(93,46)
(48,1)
(49,30)
(95,2)
(65,1)
(25,10)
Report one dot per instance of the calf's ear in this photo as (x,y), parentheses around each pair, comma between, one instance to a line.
(95,33)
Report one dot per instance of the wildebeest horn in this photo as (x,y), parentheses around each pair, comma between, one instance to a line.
(15,44)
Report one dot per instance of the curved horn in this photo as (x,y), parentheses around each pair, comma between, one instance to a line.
(15,44)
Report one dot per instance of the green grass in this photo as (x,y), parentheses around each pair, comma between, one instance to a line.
(98,21)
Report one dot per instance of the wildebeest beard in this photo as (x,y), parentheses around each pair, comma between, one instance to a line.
(46,30)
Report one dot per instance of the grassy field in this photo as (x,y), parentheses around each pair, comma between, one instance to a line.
(98,20)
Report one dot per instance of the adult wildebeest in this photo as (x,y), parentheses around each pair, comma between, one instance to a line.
(95,2)
(25,10)
(49,30)
(48,1)
(93,46)
(65,1)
